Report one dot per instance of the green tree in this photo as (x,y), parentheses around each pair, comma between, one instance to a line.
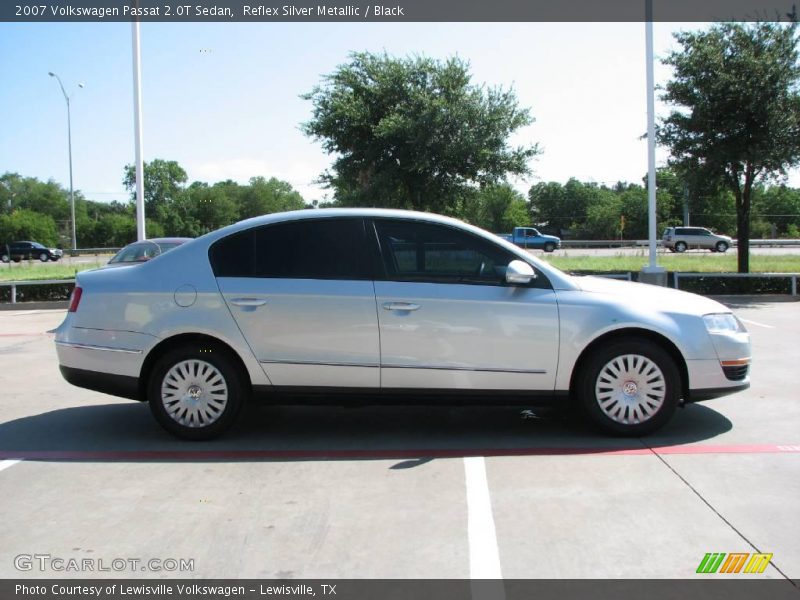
(495,208)
(211,207)
(29,193)
(163,183)
(26,224)
(738,117)
(778,206)
(414,132)
(264,196)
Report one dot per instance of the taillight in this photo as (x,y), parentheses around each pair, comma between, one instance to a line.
(75,299)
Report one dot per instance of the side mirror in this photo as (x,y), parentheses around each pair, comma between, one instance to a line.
(519,272)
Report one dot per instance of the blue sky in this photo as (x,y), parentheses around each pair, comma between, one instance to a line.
(223,98)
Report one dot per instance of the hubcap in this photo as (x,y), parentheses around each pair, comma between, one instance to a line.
(194,393)
(630,389)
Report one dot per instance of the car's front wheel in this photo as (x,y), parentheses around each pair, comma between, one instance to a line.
(43,257)
(549,247)
(5,258)
(680,247)
(196,392)
(722,247)
(630,387)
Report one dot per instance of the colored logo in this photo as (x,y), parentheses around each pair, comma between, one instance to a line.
(735,562)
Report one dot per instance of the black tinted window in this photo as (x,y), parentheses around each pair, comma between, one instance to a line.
(414,251)
(319,249)
(234,256)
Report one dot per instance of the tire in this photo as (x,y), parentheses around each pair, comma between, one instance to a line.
(188,376)
(5,258)
(16,259)
(681,247)
(43,257)
(549,247)
(631,387)
(721,247)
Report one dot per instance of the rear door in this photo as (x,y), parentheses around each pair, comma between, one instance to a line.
(301,293)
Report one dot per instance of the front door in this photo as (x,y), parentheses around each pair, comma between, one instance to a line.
(448,319)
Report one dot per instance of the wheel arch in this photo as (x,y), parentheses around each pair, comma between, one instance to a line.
(633,332)
(187,339)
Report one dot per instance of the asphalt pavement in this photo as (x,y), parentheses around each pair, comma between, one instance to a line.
(327,492)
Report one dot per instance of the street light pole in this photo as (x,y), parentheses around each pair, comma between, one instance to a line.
(69,147)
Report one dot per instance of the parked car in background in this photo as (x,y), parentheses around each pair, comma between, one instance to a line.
(388,306)
(681,239)
(27,250)
(144,250)
(529,237)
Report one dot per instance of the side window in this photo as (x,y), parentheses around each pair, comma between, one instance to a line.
(414,251)
(303,249)
(234,255)
(318,249)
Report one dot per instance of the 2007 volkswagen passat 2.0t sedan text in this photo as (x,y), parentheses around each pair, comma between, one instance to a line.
(386,306)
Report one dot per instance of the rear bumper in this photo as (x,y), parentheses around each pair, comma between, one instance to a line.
(106,383)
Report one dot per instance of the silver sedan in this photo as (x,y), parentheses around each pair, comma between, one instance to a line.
(383,306)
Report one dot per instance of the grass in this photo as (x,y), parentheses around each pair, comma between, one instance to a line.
(694,262)
(24,271)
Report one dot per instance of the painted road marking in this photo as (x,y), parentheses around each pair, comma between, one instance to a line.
(4,464)
(378,454)
(484,556)
(757,323)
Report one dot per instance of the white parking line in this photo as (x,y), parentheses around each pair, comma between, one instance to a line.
(757,323)
(484,557)
(4,464)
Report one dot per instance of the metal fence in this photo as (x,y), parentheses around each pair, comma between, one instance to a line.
(14,284)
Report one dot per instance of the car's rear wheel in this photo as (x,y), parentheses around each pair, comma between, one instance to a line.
(721,247)
(196,392)
(5,258)
(43,257)
(680,247)
(630,387)
(549,247)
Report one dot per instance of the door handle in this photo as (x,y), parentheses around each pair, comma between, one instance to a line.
(249,302)
(400,306)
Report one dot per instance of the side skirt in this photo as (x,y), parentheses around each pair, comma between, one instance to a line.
(291,395)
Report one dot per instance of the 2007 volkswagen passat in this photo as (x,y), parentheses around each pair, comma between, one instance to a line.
(388,306)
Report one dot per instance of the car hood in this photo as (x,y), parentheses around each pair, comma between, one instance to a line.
(664,299)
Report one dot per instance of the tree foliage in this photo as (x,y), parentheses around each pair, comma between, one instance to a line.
(163,183)
(26,224)
(414,132)
(737,120)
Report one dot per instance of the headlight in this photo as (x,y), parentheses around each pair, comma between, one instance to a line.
(723,323)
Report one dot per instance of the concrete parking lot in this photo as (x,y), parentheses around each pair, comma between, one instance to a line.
(397,492)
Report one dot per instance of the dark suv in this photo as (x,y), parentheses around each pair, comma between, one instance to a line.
(18,251)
